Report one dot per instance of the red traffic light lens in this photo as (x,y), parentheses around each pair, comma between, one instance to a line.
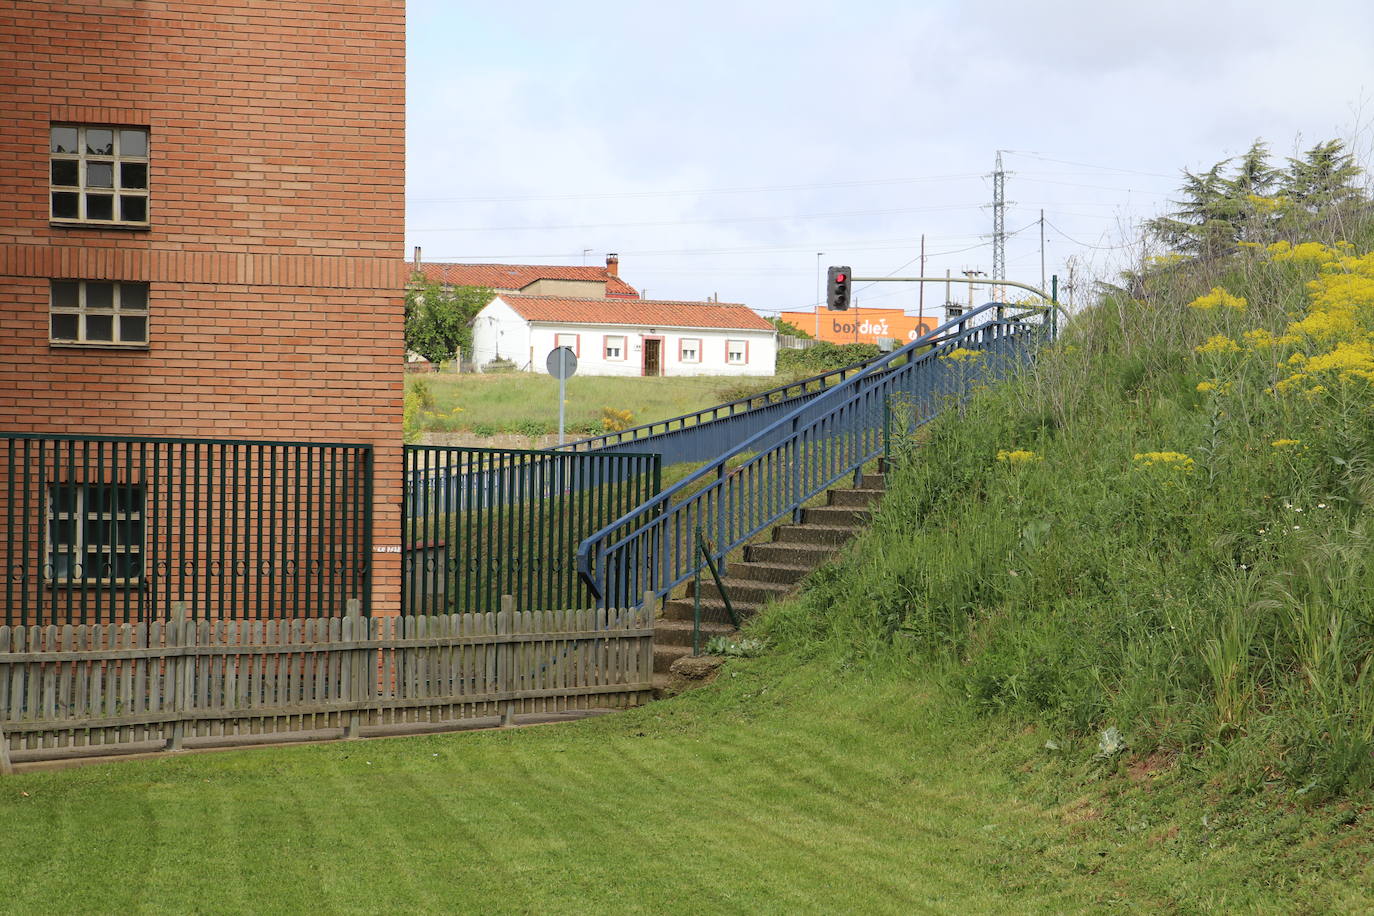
(840,278)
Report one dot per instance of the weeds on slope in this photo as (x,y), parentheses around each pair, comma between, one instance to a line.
(1164,528)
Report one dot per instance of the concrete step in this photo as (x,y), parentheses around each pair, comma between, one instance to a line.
(773,573)
(664,656)
(814,534)
(679,632)
(855,497)
(751,591)
(795,555)
(712,609)
(876,481)
(836,516)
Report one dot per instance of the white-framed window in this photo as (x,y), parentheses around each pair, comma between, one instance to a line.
(94,534)
(571,341)
(615,347)
(98,175)
(98,312)
(689,350)
(737,352)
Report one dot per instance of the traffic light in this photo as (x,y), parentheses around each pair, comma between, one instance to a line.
(837,289)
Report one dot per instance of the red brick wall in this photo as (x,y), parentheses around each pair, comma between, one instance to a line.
(275,251)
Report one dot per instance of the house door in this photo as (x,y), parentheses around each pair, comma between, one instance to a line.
(653,356)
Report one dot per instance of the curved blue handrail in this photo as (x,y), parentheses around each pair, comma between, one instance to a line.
(651,549)
(772,400)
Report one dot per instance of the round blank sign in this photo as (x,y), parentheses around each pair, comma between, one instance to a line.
(562,362)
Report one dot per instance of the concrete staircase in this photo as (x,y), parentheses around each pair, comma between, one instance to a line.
(770,570)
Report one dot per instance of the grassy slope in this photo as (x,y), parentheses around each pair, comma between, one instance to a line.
(516,402)
(1210,601)
(786,788)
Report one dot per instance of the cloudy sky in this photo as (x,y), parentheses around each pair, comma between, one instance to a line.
(718,147)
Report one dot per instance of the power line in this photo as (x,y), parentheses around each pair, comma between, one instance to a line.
(1088,165)
(1085,244)
(706,220)
(633,195)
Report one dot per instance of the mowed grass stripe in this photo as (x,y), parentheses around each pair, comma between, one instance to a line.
(722,802)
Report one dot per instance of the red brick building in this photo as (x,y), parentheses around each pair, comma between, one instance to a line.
(203,233)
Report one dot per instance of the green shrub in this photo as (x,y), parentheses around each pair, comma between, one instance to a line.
(823,357)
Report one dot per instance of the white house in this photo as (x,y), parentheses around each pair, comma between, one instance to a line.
(625,336)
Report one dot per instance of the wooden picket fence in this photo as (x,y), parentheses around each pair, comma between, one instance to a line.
(79,690)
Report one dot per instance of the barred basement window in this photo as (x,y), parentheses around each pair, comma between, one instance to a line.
(98,312)
(99,175)
(95,534)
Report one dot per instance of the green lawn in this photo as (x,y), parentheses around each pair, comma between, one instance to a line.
(819,787)
(528,403)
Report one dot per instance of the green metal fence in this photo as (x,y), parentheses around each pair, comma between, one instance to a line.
(100,529)
(479,523)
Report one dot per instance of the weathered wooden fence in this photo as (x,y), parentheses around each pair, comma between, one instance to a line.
(85,689)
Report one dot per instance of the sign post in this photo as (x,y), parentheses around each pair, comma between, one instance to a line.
(562,363)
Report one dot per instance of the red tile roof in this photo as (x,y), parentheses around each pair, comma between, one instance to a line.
(654,313)
(518,276)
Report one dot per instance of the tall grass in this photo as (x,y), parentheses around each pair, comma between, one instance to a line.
(527,403)
(1179,550)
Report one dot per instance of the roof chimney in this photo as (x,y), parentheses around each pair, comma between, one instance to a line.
(613,264)
(417,255)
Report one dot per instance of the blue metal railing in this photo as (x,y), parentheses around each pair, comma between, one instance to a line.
(704,434)
(775,471)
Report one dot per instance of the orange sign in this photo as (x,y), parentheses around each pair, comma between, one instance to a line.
(861,325)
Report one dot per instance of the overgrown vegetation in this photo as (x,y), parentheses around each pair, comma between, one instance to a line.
(823,357)
(1159,539)
(527,403)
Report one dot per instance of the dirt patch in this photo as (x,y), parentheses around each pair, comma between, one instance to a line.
(1150,768)
(1078,811)
(1163,836)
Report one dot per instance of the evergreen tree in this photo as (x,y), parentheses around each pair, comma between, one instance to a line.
(1324,177)
(1205,223)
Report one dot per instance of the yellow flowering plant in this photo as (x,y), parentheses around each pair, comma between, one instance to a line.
(1218,298)
(1217,343)
(1176,461)
(1018,456)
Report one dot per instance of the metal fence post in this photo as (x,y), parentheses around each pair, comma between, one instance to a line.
(505,626)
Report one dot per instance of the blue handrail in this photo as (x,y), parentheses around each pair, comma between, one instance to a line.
(703,434)
(653,549)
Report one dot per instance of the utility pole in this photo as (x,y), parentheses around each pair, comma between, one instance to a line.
(971,274)
(819,302)
(1042,249)
(999,230)
(921,302)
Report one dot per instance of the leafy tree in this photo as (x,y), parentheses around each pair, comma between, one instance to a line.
(1324,177)
(438,318)
(788,328)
